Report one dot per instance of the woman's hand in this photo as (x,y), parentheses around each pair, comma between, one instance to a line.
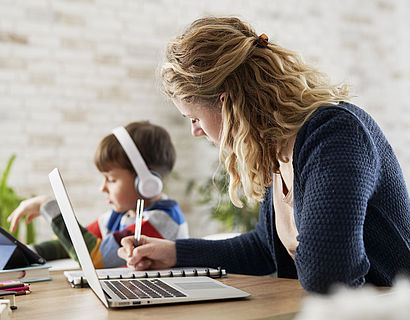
(29,208)
(151,253)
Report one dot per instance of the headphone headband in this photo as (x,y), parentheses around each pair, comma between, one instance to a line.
(149,185)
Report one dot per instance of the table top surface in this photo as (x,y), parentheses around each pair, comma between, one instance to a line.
(271,298)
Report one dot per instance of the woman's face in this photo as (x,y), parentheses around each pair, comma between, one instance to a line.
(206,120)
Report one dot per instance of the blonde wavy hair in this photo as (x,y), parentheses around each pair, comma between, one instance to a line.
(269,94)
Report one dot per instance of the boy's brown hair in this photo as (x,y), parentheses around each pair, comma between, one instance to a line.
(153,142)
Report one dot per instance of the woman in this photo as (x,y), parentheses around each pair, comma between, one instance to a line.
(334,204)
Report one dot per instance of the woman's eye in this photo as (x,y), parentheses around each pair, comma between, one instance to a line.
(194,120)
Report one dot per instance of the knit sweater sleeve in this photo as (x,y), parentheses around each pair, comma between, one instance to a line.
(335,164)
(244,254)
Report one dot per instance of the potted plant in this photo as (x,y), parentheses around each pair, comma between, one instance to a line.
(9,201)
(215,192)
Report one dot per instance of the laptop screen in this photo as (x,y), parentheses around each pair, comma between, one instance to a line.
(74,231)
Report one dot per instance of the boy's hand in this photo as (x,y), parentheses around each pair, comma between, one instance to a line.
(29,208)
(151,253)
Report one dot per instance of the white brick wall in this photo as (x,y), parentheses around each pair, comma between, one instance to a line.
(70,71)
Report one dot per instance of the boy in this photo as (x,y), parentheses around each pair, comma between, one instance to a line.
(162,217)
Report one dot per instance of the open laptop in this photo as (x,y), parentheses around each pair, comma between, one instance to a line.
(136,292)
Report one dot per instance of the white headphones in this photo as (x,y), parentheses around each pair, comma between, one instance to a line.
(146,183)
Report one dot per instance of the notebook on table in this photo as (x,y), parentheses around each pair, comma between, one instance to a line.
(78,280)
(136,292)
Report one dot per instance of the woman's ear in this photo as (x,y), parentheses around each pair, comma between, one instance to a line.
(222,97)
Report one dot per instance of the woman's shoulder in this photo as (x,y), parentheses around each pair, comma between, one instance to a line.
(343,111)
(335,120)
(335,132)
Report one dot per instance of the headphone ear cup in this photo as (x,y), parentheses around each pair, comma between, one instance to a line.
(136,182)
(156,176)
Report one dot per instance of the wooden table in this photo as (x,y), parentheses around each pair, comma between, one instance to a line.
(271,298)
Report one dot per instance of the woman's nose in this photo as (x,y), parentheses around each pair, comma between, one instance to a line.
(196,130)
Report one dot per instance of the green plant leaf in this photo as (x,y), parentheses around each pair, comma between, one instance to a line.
(214,192)
(9,201)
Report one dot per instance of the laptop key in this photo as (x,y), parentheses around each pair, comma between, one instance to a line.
(138,292)
(115,290)
(157,289)
(168,288)
(140,285)
(125,291)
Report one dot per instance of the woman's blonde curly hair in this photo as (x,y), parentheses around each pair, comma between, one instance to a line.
(269,94)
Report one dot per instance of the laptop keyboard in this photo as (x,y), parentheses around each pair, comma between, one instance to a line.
(143,289)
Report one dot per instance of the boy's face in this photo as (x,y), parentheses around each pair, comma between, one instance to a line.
(118,185)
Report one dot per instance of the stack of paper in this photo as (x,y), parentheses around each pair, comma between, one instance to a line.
(76,278)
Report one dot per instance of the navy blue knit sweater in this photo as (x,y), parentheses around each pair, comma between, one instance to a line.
(351,206)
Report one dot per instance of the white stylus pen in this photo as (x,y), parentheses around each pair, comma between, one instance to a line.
(138,221)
